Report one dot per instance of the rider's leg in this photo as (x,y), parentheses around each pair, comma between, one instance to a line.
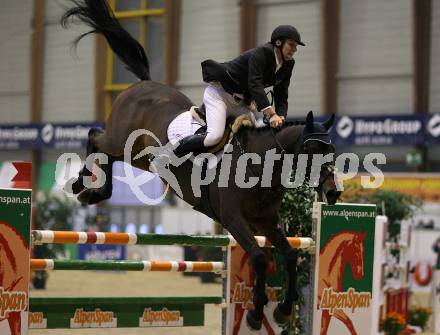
(215,124)
(215,114)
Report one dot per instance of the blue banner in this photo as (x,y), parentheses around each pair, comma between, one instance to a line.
(17,137)
(379,130)
(409,129)
(44,136)
(101,252)
(65,135)
(432,129)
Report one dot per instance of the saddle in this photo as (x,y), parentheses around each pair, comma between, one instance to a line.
(194,121)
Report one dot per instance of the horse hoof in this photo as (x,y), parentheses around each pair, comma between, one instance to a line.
(91,197)
(73,186)
(85,196)
(252,323)
(280,318)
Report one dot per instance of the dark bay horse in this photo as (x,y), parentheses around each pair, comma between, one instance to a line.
(243,211)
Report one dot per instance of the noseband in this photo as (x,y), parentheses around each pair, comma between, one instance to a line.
(319,137)
(330,170)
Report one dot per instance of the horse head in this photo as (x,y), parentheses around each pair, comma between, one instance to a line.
(355,255)
(316,141)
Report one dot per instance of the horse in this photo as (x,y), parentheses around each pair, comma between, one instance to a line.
(14,271)
(243,211)
(342,248)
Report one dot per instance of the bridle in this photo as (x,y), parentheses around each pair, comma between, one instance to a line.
(279,145)
(330,170)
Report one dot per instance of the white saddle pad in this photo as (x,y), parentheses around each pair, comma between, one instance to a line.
(183,125)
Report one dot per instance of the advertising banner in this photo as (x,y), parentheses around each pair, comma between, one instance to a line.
(432,128)
(379,130)
(15,218)
(16,137)
(45,135)
(241,283)
(65,135)
(101,252)
(343,301)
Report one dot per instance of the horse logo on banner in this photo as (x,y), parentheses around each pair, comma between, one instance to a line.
(343,248)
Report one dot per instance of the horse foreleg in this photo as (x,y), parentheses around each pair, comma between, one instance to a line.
(340,315)
(278,239)
(240,230)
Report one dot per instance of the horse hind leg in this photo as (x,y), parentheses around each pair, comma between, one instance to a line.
(91,196)
(76,185)
(240,230)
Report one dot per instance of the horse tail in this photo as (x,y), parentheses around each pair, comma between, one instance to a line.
(98,15)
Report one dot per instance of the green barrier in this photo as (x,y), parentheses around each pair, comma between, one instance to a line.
(118,312)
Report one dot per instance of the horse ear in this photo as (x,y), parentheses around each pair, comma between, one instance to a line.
(329,123)
(309,122)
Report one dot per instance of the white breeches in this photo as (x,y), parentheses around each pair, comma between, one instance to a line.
(219,105)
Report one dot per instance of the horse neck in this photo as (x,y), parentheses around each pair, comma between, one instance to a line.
(336,263)
(260,141)
(287,139)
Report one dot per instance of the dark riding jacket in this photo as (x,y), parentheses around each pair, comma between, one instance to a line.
(250,73)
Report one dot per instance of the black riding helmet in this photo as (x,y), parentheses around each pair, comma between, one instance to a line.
(286,31)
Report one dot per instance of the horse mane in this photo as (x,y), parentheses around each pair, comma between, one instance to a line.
(266,129)
(338,235)
(254,130)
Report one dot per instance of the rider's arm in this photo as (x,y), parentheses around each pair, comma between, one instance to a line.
(281,93)
(256,65)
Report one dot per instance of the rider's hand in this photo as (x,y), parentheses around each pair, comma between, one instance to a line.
(268,112)
(276,121)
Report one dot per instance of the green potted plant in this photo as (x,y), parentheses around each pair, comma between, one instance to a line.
(296,218)
(419,316)
(52,212)
(394,323)
(395,205)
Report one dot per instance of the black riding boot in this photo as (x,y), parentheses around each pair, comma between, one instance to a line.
(192,143)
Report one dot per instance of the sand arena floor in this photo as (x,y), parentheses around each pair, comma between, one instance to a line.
(112,284)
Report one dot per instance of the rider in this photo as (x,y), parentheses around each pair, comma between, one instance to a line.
(238,82)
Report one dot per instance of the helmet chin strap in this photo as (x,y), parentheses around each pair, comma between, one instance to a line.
(280,48)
